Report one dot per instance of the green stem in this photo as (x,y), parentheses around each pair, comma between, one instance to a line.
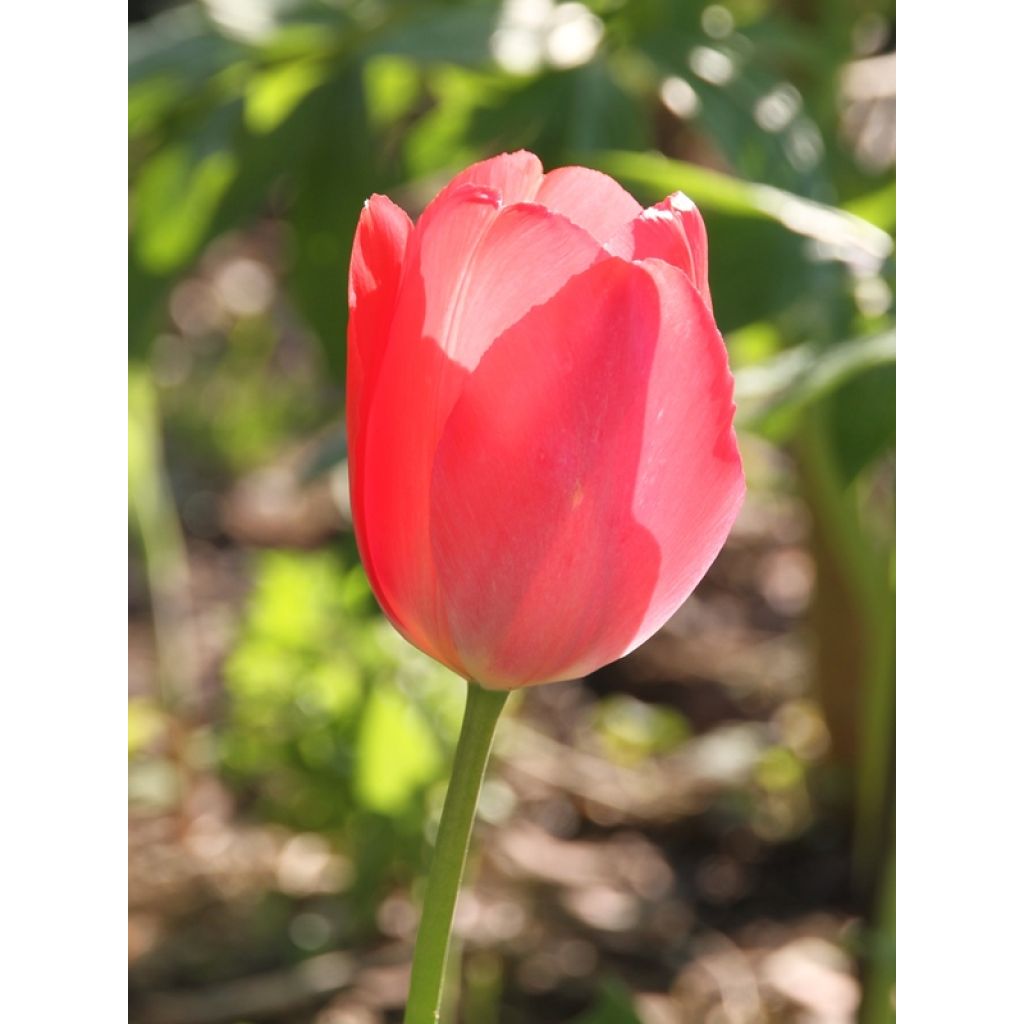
(428,963)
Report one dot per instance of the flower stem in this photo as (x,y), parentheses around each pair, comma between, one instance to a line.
(432,941)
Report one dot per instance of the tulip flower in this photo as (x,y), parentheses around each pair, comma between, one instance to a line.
(542,457)
(540,417)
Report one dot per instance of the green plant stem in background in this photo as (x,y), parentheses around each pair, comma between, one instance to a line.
(151,505)
(428,965)
(855,618)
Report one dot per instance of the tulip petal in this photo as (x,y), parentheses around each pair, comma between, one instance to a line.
(516,177)
(540,560)
(690,484)
(471,271)
(527,254)
(374,274)
(397,447)
(595,202)
(672,231)
(586,478)
(697,236)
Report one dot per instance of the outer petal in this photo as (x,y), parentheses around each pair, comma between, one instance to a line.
(472,270)
(672,231)
(592,200)
(516,177)
(373,278)
(690,484)
(374,274)
(416,377)
(540,560)
(586,478)
(697,236)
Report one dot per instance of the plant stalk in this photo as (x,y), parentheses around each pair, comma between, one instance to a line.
(483,707)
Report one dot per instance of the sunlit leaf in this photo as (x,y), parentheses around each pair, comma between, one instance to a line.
(150,100)
(145,723)
(769,250)
(178,190)
(396,753)
(877,207)
(440,139)
(274,93)
(847,237)
(771,395)
(392,86)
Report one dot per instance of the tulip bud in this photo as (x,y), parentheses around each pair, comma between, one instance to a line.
(542,457)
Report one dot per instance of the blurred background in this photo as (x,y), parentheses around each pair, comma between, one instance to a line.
(702,832)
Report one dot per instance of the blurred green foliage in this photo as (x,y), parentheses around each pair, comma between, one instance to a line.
(303,109)
(244,115)
(614,1006)
(630,730)
(335,724)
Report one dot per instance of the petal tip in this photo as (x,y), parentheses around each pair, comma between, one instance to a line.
(483,194)
(681,203)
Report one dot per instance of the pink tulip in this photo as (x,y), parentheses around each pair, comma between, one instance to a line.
(543,463)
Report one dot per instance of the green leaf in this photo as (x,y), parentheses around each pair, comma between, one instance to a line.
(863,417)
(178,190)
(579,111)
(146,721)
(150,101)
(396,753)
(440,34)
(562,116)
(331,184)
(877,207)
(182,45)
(392,87)
(770,250)
(440,141)
(744,100)
(273,94)
(847,237)
(147,294)
(770,396)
